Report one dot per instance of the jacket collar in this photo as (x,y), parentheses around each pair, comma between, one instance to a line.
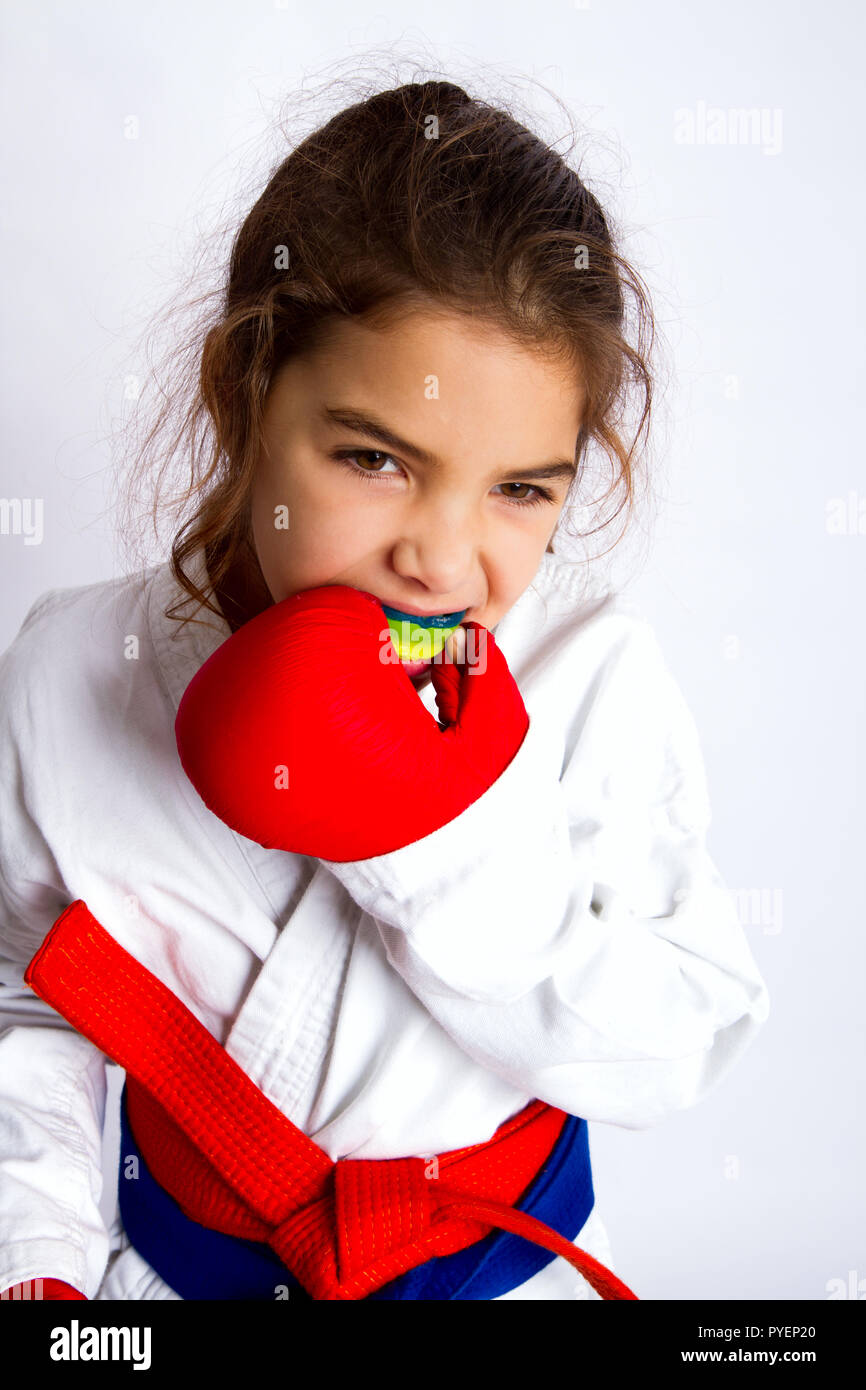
(182,648)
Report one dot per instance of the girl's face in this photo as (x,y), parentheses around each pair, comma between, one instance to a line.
(426,463)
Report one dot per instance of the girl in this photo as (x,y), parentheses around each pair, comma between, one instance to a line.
(423,332)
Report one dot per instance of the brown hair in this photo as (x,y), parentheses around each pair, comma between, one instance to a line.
(416,194)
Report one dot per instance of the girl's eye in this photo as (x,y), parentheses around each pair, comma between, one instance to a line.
(360,454)
(539,494)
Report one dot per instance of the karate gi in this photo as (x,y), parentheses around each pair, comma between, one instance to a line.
(566,938)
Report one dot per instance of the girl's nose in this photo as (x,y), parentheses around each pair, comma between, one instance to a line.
(438,558)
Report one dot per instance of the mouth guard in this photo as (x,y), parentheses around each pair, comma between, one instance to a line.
(420,639)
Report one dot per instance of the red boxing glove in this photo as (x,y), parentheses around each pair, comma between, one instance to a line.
(51,1289)
(303,733)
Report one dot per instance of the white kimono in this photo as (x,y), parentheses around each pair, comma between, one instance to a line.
(567,937)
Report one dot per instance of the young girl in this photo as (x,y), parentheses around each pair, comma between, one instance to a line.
(422,334)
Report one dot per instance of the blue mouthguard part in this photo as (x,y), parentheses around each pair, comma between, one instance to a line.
(437,620)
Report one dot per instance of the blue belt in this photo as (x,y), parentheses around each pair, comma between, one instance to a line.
(198,1263)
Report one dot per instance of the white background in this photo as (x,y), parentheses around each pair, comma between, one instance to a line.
(753,253)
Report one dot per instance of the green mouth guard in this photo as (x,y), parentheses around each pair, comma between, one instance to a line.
(420,639)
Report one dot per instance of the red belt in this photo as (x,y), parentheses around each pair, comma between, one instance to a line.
(233,1162)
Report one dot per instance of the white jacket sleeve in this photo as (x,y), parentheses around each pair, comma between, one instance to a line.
(569,929)
(52,1080)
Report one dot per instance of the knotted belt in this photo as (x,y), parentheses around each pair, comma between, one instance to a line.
(235,1164)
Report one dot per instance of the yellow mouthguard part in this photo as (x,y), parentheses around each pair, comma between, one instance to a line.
(412,642)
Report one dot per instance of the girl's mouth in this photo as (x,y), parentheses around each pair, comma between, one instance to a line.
(418,640)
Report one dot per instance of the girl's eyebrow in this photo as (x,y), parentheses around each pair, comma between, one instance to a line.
(364,423)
